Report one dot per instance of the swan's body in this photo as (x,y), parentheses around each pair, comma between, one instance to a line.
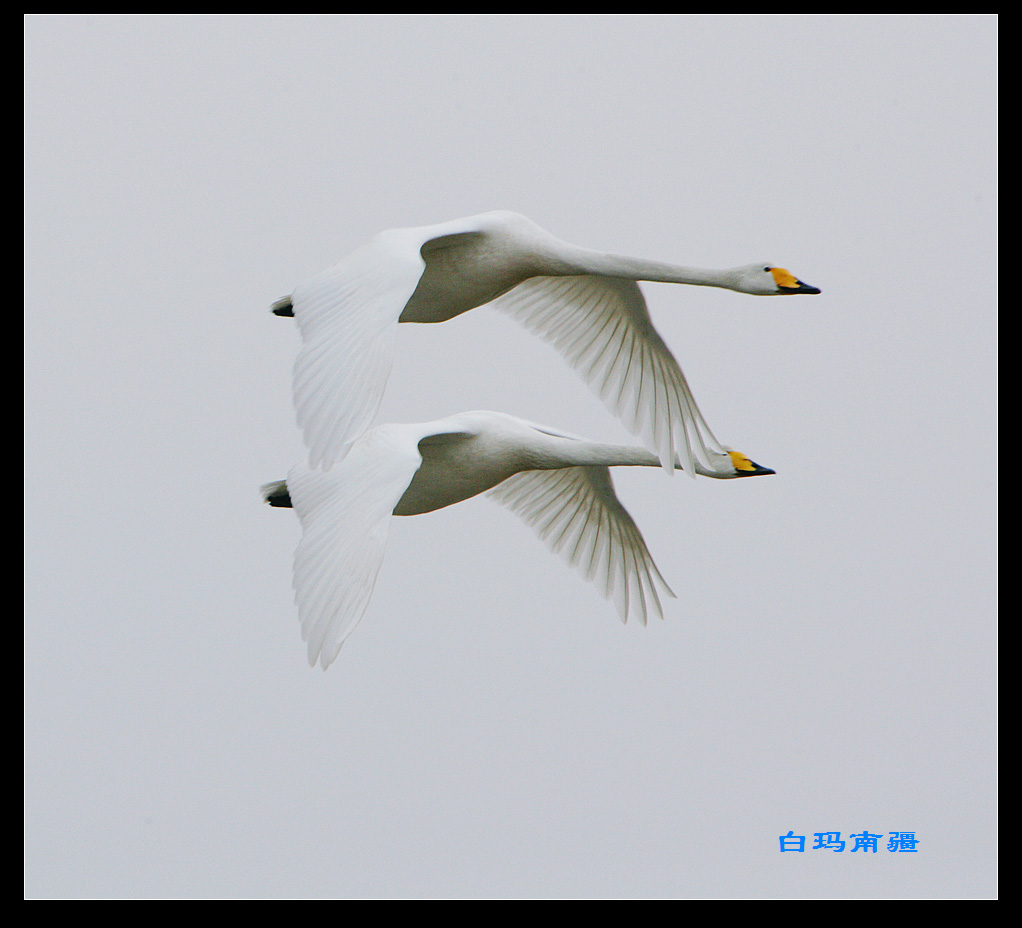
(586,303)
(557,482)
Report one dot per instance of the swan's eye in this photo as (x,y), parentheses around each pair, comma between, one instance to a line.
(767,269)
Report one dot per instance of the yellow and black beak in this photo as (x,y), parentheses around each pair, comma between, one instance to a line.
(789,283)
(746,468)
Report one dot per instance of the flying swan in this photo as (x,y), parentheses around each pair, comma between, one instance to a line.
(586,303)
(558,483)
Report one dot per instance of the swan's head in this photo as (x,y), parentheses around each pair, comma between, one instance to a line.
(767,280)
(732,464)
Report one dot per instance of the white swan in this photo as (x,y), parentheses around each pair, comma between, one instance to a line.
(586,303)
(558,483)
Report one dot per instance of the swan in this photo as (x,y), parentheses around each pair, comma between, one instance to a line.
(586,303)
(558,483)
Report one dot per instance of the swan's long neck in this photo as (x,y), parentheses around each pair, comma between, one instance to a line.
(607,265)
(580,453)
(570,453)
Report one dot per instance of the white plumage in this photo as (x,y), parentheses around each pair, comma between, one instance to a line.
(558,483)
(586,303)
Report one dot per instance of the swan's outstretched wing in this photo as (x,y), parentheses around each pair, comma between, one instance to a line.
(576,511)
(602,327)
(348,319)
(345,514)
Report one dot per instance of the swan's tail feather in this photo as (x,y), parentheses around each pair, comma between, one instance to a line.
(283,307)
(276,494)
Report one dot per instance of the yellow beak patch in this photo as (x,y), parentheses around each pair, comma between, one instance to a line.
(740,461)
(784,278)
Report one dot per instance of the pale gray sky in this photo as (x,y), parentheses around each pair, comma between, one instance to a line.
(491,729)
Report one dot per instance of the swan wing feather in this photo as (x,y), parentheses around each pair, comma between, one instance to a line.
(348,318)
(602,327)
(345,515)
(577,513)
